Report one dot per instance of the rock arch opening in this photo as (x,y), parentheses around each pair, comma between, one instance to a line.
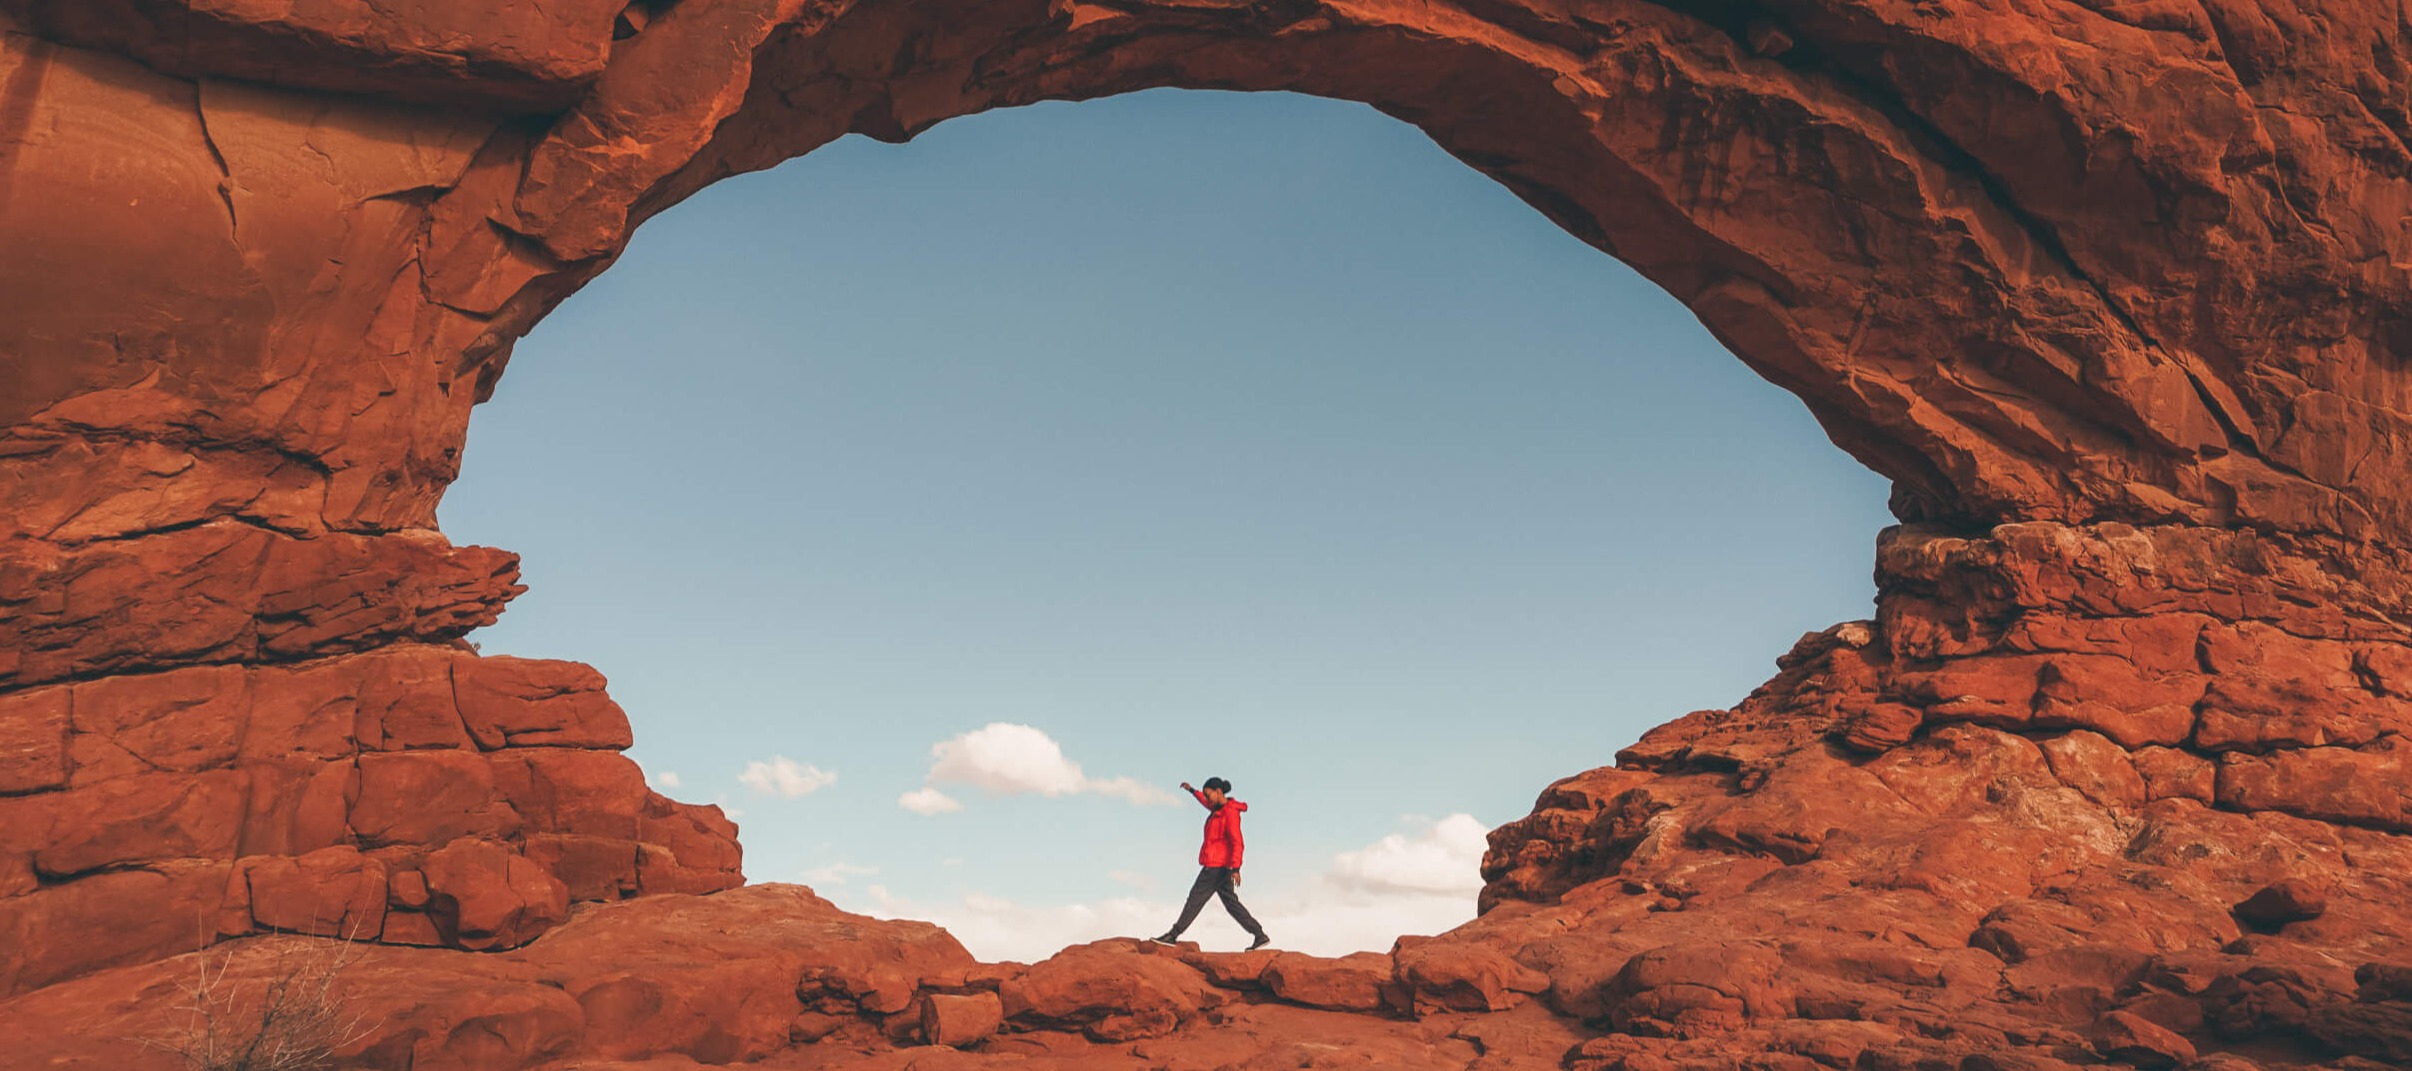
(1203,432)
(2114,295)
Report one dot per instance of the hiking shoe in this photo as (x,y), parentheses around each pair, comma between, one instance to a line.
(1165,939)
(1261,941)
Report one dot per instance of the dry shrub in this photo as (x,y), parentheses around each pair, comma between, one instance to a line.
(288,1017)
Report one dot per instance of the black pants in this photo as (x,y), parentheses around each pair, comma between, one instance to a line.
(1215,881)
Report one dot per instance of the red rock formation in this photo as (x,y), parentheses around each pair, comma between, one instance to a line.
(2115,293)
(418,794)
(2036,807)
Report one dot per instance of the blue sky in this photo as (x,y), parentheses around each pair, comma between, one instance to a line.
(1205,433)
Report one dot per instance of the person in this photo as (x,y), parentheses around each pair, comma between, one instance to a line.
(1218,863)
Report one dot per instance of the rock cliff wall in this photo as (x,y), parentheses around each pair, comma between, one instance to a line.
(2114,292)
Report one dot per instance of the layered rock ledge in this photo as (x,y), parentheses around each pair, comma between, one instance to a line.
(2117,294)
(418,795)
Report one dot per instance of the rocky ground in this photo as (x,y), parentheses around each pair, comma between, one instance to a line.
(2118,293)
(774,976)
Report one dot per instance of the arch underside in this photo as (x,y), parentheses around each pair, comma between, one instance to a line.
(2114,293)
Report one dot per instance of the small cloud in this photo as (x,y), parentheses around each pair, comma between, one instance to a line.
(1006,758)
(666,779)
(1134,879)
(783,776)
(1125,788)
(1012,760)
(928,801)
(837,873)
(1444,859)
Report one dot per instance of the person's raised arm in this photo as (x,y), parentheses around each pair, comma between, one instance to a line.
(1196,795)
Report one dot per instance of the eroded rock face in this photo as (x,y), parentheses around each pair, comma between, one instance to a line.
(2078,794)
(2115,293)
(418,795)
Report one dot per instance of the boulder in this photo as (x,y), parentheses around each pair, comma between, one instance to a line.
(1110,990)
(481,895)
(1354,982)
(2282,902)
(1462,976)
(960,1020)
(526,702)
(333,892)
(1231,970)
(2133,1039)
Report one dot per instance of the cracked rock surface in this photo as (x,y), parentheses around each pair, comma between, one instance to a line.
(2114,292)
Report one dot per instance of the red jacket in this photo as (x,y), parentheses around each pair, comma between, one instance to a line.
(1223,844)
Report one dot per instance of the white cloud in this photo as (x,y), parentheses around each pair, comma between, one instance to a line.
(928,801)
(783,776)
(837,873)
(666,779)
(1007,758)
(1423,883)
(1010,760)
(1128,789)
(1444,860)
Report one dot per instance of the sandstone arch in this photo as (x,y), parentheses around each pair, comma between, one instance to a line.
(2127,279)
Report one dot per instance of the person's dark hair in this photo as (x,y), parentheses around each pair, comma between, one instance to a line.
(1217,782)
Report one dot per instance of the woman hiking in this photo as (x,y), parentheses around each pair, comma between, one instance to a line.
(1218,863)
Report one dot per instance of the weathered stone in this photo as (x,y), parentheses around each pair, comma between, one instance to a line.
(956,1021)
(1882,727)
(1109,990)
(1350,983)
(1461,976)
(140,819)
(184,722)
(2282,902)
(2111,292)
(536,57)
(1232,970)
(2174,773)
(429,797)
(2133,1039)
(109,918)
(2357,785)
(405,701)
(33,740)
(225,592)
(1700,989)
(2090,763)
(482,896)
(333,892)
(525,702)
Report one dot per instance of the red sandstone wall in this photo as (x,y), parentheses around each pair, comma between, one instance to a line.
(2116,294)
(419,795)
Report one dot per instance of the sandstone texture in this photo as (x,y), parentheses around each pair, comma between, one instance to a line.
(2115,291)
(418,795)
